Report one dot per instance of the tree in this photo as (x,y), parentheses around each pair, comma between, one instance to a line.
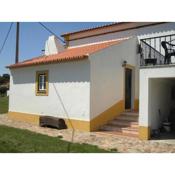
(4,79)
(6,76)
(3,90)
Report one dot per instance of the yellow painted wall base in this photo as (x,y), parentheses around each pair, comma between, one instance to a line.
(136,104)
(92,125)
(30,118)
(144,133)
(78,124)
(34,119)
(107,115)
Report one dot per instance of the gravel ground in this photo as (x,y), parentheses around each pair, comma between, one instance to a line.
(106,141)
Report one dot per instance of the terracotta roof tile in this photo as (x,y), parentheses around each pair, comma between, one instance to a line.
(69,54)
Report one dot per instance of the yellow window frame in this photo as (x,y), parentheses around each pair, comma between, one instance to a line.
(41,92)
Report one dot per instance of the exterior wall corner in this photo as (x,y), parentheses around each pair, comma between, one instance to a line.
(144,132)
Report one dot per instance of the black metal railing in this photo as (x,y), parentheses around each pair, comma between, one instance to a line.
(152,52)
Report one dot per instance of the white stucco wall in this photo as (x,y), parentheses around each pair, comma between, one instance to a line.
(53,46)
(146,32)
(155,89)
(107,75)
(71,80)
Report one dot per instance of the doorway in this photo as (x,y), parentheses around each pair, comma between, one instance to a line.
(128,88)
(161,108)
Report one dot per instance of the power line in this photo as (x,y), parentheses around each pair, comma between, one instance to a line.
(51,31)
(7,35)
(67,115)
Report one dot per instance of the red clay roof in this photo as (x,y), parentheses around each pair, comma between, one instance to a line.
(126,25)
(69,54)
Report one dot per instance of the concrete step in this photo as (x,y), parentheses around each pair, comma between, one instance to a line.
(119,133)
(134,114)
(127,118)
(130,130)
(109,127)
(123,123)
(127,130)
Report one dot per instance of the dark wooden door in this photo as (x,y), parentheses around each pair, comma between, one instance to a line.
(128,88)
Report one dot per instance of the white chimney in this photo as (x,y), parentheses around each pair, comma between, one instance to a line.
(53,46)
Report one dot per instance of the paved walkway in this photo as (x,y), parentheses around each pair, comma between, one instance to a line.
(105,141)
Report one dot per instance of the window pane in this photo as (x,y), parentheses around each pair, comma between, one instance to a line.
(42,82)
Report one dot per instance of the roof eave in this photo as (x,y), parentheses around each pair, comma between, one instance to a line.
(66,35)
(84,30)
(70,59)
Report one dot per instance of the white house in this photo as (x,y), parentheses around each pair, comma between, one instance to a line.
(95,77)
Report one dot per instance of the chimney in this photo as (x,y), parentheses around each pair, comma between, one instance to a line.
(53,46)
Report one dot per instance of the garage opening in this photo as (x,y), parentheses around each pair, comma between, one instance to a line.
(162,108)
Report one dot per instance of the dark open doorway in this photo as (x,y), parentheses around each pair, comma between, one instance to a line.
(128,88)
(161,107)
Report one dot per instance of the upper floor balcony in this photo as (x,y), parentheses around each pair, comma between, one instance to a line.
(157,51)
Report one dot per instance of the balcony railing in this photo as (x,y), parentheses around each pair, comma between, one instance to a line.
(153,53)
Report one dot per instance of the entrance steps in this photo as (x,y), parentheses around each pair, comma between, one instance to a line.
(124,124)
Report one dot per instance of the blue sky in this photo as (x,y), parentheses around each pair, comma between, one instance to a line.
(32,38)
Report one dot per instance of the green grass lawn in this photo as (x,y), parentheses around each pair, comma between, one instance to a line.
(4,101)
(14,140)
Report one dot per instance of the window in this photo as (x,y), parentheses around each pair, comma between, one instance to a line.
(42,83)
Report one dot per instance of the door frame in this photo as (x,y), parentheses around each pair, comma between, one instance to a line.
(128,66)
